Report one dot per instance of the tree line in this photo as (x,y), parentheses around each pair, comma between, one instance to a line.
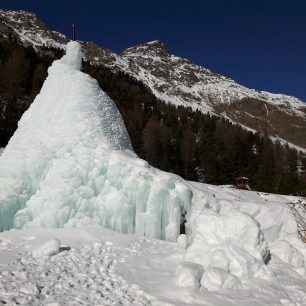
(196,146)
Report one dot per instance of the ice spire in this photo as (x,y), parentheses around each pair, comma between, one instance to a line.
(73,56)
(71,163)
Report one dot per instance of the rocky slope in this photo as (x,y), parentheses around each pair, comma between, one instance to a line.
(177,81)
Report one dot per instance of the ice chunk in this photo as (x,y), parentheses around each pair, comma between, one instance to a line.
(188,274)
(182,241)
(50,248)
(73,56)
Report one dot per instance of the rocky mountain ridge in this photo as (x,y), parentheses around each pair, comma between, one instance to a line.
(176,80)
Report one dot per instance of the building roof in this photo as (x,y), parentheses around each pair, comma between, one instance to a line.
(242,178)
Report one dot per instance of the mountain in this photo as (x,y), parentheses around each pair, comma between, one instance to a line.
(177,81)
(197,145)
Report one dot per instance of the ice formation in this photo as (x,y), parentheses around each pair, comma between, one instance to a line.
(71,162)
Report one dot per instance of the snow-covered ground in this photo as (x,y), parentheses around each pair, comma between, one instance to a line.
(69,173)
(96,266)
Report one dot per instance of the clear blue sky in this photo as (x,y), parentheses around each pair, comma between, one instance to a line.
(260,44)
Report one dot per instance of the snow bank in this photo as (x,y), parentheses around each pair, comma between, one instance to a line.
(229,247)
(71,163)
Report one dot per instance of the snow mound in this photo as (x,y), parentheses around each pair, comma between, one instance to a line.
(189,274)
(216,278)
(229,247)
(71,163)
(182,241)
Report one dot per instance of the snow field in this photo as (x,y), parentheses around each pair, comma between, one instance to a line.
(83,275)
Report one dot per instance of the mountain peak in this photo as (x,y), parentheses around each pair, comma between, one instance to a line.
(155,47)
(29,30)
(17,13)
(19,17)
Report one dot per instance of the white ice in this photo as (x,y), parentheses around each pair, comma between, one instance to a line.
(71,162)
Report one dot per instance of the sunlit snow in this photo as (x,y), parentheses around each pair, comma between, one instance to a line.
(70,169)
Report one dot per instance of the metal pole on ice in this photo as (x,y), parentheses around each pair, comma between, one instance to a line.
(73,31)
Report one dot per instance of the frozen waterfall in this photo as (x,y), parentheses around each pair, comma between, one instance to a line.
(71,163)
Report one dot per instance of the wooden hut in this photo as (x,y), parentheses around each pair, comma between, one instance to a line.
(242,183)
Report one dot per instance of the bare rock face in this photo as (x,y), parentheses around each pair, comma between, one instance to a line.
(176,80)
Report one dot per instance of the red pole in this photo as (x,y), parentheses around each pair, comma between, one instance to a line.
(73,31)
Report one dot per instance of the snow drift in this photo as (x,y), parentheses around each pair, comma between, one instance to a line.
(71,163)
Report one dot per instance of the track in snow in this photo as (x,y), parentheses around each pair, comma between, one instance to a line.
(81,276)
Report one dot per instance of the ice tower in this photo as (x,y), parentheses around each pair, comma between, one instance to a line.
(71,163)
